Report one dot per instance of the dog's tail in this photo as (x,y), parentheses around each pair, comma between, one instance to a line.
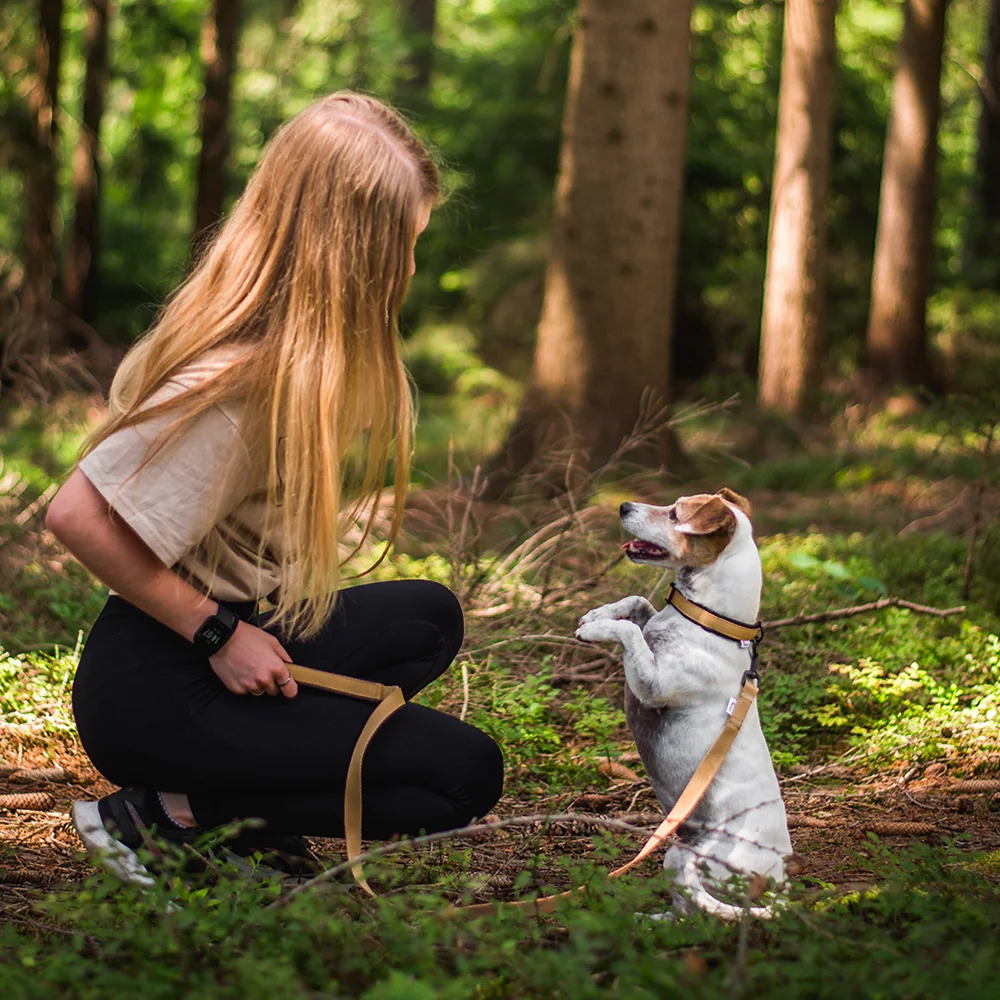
(690,879)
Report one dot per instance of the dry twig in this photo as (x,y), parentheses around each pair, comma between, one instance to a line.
(861,609)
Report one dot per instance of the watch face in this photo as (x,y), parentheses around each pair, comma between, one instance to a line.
(212,634)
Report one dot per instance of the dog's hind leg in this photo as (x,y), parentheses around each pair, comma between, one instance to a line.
(691,889)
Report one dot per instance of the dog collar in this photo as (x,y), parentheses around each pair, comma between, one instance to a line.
(728,628)
(748,636)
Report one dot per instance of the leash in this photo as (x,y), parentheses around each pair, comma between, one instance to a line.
(390,699)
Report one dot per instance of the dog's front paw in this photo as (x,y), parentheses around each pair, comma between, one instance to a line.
(599,630)
(598,614)
(633,609)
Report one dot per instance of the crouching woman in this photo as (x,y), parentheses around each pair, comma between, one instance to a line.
(218,480)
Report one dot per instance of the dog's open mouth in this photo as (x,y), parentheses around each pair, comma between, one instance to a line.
(639,549)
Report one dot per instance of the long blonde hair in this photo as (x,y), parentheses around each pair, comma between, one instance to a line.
(306,277)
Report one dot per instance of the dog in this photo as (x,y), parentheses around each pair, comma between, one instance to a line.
(680,679)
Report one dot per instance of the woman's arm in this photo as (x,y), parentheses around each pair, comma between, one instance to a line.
(82,520)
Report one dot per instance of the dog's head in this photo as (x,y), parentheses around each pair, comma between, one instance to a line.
(693,532)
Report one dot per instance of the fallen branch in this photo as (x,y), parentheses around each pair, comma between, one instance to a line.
(862,609)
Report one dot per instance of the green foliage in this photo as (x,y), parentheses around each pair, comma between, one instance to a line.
(35,690)
(930,929)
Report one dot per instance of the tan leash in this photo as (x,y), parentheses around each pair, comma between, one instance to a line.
(683,807)
(390,699)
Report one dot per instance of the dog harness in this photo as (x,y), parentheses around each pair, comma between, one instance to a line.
(390,699)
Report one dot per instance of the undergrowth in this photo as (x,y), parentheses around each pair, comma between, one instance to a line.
(932,928)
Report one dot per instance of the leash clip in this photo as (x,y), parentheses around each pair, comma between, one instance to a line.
(751,674)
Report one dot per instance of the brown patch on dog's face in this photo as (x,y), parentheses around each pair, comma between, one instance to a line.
(736,500)
(693,532)
(705,526)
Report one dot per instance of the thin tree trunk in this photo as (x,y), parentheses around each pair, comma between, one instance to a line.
(40,181)
(985,228)
(219,36)
(605,331)
(795,284)
(897,324)
(81,270)
(418,20)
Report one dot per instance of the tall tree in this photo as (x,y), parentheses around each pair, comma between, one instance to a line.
(40,179)
(80,270)
(220,32)
(897,322)
(418,23)
(795,282)
(985,228)
(607,315)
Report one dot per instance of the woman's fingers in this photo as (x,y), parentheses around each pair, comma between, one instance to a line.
(288,686)
(286,683)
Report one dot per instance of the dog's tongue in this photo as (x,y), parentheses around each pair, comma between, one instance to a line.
(637,547)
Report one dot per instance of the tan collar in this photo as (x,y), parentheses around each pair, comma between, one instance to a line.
(709,620)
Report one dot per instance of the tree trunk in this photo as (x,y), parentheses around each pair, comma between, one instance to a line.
(985,228)
(418,22)
(40,181)
(897,324)
(795,284)
(81,274)
(605,330)
(218,52)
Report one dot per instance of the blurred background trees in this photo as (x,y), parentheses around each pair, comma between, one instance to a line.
(128,126)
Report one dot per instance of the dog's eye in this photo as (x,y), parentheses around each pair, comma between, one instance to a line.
(672,515)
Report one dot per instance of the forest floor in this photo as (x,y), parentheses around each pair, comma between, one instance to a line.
(884,727)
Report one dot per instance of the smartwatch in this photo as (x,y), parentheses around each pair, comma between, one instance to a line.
(215,631)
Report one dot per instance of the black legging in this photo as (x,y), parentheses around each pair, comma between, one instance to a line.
(152,713)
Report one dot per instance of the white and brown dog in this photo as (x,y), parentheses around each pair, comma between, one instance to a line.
(680,679)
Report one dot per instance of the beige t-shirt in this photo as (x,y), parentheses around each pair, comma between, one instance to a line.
(201,497)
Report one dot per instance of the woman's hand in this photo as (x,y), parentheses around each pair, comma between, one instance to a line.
(253,661)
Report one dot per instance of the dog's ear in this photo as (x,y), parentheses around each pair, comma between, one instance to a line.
(736,500)
(708,518)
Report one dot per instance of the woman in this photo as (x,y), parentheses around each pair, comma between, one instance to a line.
(271,380)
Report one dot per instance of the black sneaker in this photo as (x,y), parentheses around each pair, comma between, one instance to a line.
(119,825)
(116,827)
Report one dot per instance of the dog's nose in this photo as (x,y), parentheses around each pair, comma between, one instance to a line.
(625,508)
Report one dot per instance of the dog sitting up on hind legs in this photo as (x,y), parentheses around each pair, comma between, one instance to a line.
(682,677)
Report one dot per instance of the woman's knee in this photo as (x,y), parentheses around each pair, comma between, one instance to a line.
(484,782)
(443,608)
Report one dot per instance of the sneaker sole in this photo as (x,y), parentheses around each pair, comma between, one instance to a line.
(110,854)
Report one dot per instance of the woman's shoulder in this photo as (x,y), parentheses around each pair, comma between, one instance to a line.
(201,370)
(210,364)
